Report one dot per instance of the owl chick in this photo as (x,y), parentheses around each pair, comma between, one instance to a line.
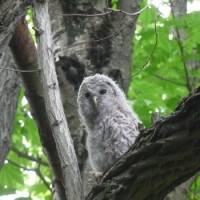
(111,125)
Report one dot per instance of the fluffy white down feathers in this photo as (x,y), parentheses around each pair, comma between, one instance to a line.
(111,124)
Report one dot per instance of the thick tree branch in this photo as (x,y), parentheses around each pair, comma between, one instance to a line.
(162,157)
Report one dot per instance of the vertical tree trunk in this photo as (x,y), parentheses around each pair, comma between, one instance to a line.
(9,89)
(86,45)
(55,112)
(10,13)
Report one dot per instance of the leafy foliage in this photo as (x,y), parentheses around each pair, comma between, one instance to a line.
(194,193)
(19,170)
(159,85)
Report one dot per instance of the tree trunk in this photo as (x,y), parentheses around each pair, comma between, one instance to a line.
(86,45)
(9,89)
(10,12)
(54,108)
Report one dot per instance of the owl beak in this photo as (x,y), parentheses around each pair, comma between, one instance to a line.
(94,98)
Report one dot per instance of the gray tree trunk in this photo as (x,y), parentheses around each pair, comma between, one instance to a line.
(54,108)
(10,13)
(9,89)
(88,45)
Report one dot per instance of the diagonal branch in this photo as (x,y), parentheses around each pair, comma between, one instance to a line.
(167,80)
(24,51)
(36,170)
(32,158)
(162,157)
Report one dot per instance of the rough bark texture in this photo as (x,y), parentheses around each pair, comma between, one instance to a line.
(10,12)
(54,107)
(162,158)
(9,89)
(88,45)
(31,81)
(25,54)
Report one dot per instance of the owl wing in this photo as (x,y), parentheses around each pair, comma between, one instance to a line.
(121,133)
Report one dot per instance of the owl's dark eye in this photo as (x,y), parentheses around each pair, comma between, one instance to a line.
(87,94)
(102,91)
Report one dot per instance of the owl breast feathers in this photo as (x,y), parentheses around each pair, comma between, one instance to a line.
(111,125)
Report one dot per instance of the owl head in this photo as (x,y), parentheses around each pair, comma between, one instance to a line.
(98,94)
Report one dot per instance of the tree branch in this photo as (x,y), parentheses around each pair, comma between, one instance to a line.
(168,80)
(36,170)
(40,175)
(162,157)
(32,158)
(25,54)
(182,53)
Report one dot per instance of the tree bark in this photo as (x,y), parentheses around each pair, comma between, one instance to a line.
(25,54)
(9,89)
(54,107)
(88,45)
(161,158)
(10,12)
(27,61)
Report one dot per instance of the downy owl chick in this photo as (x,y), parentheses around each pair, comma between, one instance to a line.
(111,125)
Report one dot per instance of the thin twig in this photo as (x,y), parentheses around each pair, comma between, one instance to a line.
(182,53)
(129,13)
(97,40)
(36,170)
(110,10)
(24,155)
(19,70)
(168,80)
(85,15)
(20,166)
(106,37)
(152,51)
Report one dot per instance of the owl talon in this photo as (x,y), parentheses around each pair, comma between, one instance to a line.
(98,175)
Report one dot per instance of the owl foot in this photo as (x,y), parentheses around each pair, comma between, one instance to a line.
(98,175)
